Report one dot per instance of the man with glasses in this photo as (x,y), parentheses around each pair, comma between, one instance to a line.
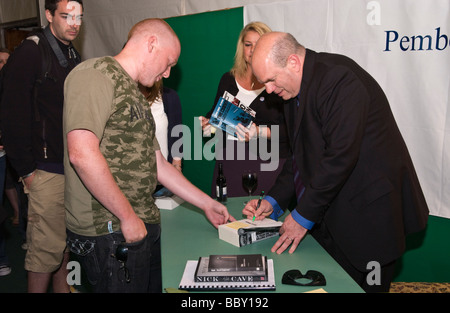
(32,105)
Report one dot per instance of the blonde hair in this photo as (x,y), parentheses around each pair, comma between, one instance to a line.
(240,66)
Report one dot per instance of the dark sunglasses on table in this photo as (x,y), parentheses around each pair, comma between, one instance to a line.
(312,278)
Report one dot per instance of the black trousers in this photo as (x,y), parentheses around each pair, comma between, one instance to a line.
(141,271)
(387,272)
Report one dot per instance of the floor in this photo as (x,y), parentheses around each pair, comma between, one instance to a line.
(16,282)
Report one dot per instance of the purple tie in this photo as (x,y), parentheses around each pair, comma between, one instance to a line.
(299,187)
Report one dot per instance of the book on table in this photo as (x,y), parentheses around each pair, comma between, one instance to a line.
(231,268)
(244,232)
(235,263)
(229,112)
(229,272)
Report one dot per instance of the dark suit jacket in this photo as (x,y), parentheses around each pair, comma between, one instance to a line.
(359,177)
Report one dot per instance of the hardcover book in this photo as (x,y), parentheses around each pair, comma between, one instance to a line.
(188,281)
(228,113)
(236,263)
(231,268)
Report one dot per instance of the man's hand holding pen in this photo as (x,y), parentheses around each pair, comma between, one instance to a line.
(291,233)
(251,210)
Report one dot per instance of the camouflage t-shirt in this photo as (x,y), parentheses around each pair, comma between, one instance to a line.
(101,97)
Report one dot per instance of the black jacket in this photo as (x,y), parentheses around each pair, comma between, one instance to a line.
(32,134)
(172,108)
(359,178)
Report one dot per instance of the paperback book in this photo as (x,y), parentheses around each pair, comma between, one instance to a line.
(168,203)
(229,112)
(244,232)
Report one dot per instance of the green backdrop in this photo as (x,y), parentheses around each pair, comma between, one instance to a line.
(208,43)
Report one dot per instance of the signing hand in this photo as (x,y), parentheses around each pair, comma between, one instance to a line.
(265,209)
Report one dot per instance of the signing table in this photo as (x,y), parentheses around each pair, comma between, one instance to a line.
(187,235)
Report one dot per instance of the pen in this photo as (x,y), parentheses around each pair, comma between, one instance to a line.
(259,203)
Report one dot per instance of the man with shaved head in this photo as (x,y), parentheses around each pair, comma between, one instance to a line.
(113,162)
(352,176)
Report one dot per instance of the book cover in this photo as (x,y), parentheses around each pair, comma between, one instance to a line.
(235,263)
(231,268)
(244,232)
(188,281)
(228,114)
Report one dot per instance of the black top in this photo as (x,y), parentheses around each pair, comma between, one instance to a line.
(360,182)
(268,107)
(269,112)
(33,138)
(172,108)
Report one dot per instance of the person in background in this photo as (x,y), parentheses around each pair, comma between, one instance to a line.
(351,173)
(13,188)
(5,269)
(32,133)
(113,162)
(166,110)
(242,84)
(4,55)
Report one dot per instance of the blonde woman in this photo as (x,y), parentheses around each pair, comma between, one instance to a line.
(241,83)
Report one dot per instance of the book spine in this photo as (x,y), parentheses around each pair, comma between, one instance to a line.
(252,237)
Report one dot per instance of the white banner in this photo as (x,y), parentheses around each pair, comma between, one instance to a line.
(106,23)
(405,45)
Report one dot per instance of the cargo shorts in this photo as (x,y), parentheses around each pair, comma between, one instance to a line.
(46,230)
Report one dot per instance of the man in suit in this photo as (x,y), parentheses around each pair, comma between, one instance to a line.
(356,188)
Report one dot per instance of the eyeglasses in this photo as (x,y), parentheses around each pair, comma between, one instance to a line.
(121,255)
(313,278)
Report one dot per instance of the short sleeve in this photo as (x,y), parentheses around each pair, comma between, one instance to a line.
(88,98)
